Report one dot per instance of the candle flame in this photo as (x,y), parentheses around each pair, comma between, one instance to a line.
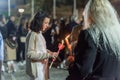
(68,43)
(67,36)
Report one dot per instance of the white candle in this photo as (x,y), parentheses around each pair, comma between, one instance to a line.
(62,42)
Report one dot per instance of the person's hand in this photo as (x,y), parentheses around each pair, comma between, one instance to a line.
(70,58)
(60,46)
(14,38)
(55,54)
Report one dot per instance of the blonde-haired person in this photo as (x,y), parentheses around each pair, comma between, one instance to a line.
(97,54)
(36,52)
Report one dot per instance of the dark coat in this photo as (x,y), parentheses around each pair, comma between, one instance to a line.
(11,28)
(98,61)
(21,33)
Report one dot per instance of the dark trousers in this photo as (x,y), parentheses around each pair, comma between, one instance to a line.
(21,51)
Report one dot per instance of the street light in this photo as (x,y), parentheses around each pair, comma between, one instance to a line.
(21,10)
(9,9)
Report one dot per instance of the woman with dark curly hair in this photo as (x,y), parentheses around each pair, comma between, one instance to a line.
(36,52)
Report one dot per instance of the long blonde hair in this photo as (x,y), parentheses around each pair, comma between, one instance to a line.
(105,22)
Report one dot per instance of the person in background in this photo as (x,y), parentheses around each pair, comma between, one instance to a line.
(51,35)
(11,44)
(22,32)
(62,34)
(74,22)
(71,41)
(11,27)
(36,52)
(1,53)
(75,32)
(28,25)
(97,53)
(47,35)
(54,34)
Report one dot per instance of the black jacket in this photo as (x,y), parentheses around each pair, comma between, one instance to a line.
(102,63)
(11,28)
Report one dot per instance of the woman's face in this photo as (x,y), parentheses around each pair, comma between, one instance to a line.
(45,23)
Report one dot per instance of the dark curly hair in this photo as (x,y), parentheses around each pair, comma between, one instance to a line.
(37,22)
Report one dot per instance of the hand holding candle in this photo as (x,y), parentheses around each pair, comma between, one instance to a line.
(60,47)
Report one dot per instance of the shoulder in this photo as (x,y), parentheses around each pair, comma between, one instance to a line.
(85,36)
(84,33)
(77,28)
(32,35)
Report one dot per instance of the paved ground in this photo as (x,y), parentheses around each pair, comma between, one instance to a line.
(55,74)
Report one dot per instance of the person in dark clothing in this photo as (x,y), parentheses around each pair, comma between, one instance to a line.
(48,39)
(72,24)
(55,34)
(22,32)
(11,27)
(63,32)
(97,53)
(11,44)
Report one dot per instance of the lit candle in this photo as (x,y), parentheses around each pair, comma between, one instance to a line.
(67,37)
(62,42)
(60,47)
(68,44)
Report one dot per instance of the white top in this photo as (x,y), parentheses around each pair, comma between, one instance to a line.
(41,44)
(40,49)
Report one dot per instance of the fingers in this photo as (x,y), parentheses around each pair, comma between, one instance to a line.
(55,54)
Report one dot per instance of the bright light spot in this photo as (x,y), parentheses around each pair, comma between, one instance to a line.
(21,10)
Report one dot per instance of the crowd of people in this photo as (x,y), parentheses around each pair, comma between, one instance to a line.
(91,43)
(15,38)
(12,46)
